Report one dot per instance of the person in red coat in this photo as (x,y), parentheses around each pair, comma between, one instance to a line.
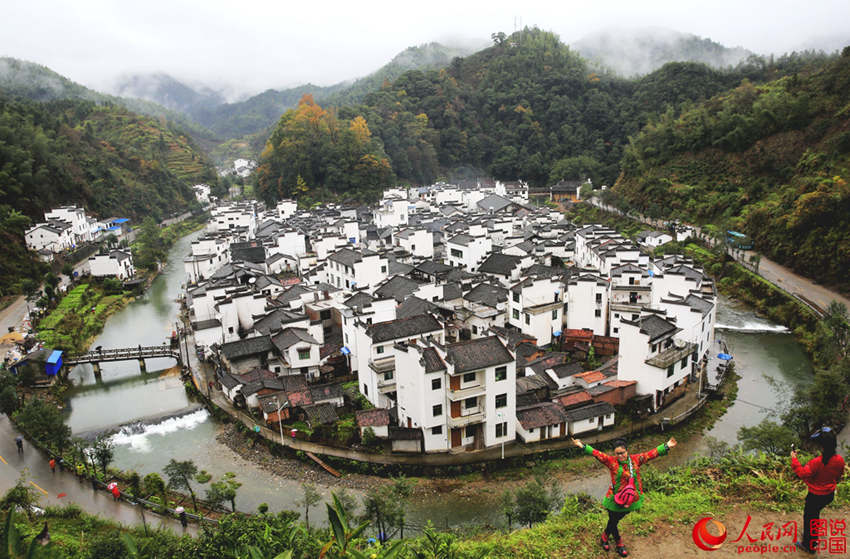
(821,475)
(623,468)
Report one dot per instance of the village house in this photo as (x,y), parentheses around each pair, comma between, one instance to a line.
(117,264)
(536,307)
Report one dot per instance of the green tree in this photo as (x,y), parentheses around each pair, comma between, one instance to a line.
(534,500)
(103,452)
(224,490)
(21,496)
(768,436)
(44,422)
(153,485)
(310,497)
(8,400)
(180,475)
(386,506)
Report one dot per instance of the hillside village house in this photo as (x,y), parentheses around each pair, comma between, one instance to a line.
(117,264)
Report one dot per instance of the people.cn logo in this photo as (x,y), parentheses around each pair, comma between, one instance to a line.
(706,540)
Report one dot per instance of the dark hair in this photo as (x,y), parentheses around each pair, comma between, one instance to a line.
(620,443)
(826,441)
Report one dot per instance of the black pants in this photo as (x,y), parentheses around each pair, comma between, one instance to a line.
(814,504)
(614,519)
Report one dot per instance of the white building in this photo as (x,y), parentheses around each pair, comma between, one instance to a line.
(651,355)
(54,236)
(118,264)
(587,303)
(286,208)
(418,242)
(462,396)
(80,229)
(536,307)
(376,353)
(468,251)
(202,193)
(350,269)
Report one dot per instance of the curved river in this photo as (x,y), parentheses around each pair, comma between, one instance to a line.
(158,422)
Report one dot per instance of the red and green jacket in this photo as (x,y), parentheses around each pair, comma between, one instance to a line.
(615,468)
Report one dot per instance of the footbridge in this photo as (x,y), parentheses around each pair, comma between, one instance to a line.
(139,353)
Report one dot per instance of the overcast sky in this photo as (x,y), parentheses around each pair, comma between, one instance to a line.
(253,45)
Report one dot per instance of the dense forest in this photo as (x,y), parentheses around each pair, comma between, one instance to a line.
(312,147)
(772,160)
(529,107)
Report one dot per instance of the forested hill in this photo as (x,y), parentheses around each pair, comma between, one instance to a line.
(39,83)
(260,112)
(772,160)
(527,107)
(103,157)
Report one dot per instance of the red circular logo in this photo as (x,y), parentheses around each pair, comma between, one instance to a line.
(706,540)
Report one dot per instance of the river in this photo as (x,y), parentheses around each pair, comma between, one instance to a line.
(769,362)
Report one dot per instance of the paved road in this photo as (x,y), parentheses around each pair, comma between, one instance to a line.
(50,485)
(773,272)
(11,317)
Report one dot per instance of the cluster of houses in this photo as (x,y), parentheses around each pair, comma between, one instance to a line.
(467,317)
(67,227)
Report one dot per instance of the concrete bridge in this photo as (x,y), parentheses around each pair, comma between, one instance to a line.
(140,353)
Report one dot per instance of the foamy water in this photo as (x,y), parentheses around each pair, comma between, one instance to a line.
(137,436)
(754,327)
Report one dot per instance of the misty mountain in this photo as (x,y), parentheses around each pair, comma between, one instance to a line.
(233,120)
(637,52)
(168,92)
(20,78)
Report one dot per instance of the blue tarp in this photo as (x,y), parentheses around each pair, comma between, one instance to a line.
(724,356)
(345,351)
(54,363)
(121,220)
(557,334)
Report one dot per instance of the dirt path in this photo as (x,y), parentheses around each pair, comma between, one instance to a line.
(677,540)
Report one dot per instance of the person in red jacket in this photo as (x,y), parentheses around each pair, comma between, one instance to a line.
(623,468)
(821,475)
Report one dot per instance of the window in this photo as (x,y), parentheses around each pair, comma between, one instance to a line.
(555,314)
(597,313)
(515,314)
(598,297)
(516,297)
(501,400)
(670,371)
(631,281)
(230,330)
(457,253)
(436,383)
(470,403)
(685,362)
(474,329)
(635,316)
(437,410)
(388,375)
(379,349)
(616,330)
(438,430)
(527,318)
(383,269)
(501,429)
(304,353)
(365,390)
(469,432)
(469,377)
(501,373)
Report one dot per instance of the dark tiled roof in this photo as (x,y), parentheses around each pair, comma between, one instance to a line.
(433,268)
(500,264)
(403,328)
(477,354)
(324,392)
(397,287)
(451,291)
(247,347)
(291,336)
(320,414)
(433,363)
(413,306)
(346,256)
(394,267)
(698,303)
(655,326)
(206,324)
(359,300)
(586,412)
(567,369)
(540,415)
(494,203)
(275,320)
(488,294)
(461,239)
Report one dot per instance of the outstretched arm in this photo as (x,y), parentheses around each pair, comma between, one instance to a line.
(660,450)
(598,454)
(807,471)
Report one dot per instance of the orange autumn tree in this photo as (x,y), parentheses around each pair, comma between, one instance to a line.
(325,152)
